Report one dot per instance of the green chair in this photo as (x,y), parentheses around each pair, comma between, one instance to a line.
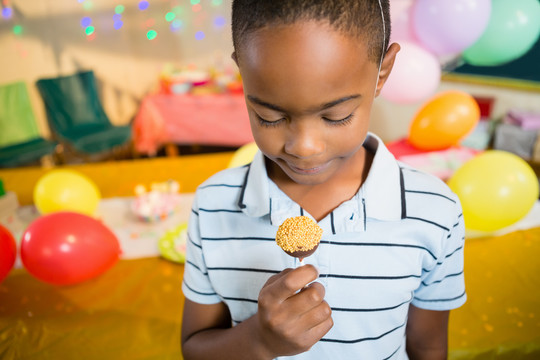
(76,116)
(20,141)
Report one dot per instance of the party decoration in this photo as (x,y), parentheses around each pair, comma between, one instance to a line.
(151,34)
(172,246)
(401,17)
(444,120)
(512,30)
(244,155)
(7,13)
(496,189)
(415,76)
(67,248)
(66,190)
(161,201)
(450,26)
(8,252)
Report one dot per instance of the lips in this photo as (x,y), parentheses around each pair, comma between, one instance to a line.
(308,170)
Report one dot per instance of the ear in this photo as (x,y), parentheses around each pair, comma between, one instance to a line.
(386,66)
(234,57)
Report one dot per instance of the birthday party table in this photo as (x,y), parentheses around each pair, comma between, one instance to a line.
(134,310)
(213,119)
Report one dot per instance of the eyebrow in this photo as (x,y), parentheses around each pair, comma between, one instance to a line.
(322,107)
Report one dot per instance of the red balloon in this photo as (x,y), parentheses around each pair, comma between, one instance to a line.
(65,248)
(8,252)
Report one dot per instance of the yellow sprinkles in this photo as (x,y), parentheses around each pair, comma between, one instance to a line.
(298,233)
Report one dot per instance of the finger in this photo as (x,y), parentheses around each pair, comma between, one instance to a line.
(287,283)
(319,314)
(305,301)
(297,279)
(310,296)
(314,325)
(322,327)
(275,277)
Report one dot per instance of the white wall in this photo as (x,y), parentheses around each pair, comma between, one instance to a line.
(128,65)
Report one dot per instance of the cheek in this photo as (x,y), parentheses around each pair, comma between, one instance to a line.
(267,141)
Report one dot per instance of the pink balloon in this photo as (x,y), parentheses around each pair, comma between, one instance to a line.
(415,76)
(8,252)
(449,26)
(401,17)
(65,248)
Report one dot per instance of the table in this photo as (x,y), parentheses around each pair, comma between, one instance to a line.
(134,310)
(501,318)
(217,119)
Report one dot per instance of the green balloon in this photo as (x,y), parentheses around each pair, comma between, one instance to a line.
(513,28)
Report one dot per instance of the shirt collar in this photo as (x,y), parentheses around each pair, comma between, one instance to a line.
(382,191)
(254,198)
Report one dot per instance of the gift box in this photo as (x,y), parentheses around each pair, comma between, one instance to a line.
(526,120)
(515,139)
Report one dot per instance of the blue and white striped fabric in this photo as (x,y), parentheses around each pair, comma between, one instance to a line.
(398,241)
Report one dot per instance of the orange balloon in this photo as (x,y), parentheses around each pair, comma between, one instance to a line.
(444,120)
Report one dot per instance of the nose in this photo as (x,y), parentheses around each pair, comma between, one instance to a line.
(305,140)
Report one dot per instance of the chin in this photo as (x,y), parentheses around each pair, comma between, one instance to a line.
(311,179)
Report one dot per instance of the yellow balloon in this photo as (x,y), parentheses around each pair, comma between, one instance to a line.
(244,155)
(66,190)
(496,189)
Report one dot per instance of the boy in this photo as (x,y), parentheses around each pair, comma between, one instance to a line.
(390,264)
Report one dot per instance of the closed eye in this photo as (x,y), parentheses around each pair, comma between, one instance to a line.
(343,121)
(269,123)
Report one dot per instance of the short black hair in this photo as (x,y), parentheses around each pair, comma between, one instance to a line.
(360,18)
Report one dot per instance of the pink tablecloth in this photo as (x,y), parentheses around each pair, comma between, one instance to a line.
(219,119)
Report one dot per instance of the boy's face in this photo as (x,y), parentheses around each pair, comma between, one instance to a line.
(309,91)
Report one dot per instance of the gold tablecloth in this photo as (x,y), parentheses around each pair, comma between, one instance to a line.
(501,318)
(133,311)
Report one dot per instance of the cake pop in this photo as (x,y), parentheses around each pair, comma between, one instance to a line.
(299,237)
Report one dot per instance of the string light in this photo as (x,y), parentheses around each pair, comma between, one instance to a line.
(143,5)
(170,16)
(219,21)
(176,24)
(17,29)
(151,34)
(119,9)
(7,13)
(199,35)
(86,21)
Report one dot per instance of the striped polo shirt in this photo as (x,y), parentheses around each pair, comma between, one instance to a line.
(398,241)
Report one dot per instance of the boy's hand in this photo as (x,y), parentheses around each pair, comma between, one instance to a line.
(292,317)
